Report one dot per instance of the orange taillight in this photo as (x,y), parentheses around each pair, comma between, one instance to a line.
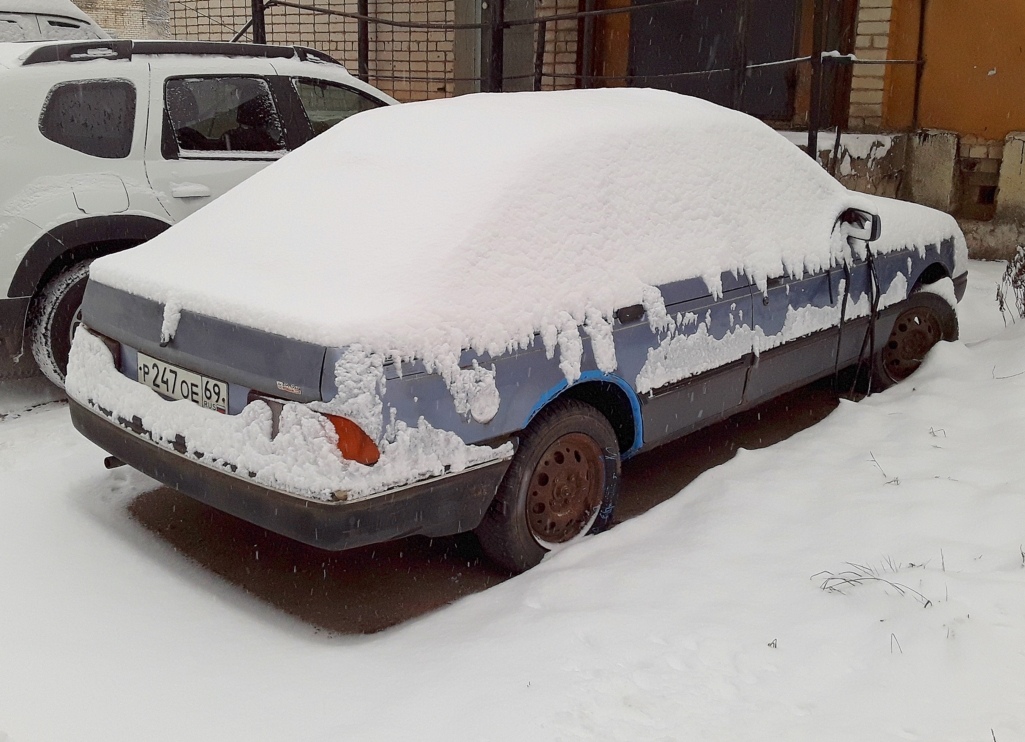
(354,444)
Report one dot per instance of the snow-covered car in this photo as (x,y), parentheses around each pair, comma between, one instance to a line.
(40,20)
(502,298)
(104,144)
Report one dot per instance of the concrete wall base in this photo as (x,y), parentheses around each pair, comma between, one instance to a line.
(1011,201)
(923,167)
(994,240)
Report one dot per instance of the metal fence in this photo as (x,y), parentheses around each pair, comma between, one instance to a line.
(408,48)
(422,49)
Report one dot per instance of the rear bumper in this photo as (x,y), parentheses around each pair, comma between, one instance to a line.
(437,507)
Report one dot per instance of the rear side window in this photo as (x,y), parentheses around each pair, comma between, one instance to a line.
(222,114)
(63,29)
(96,117)
(326,104)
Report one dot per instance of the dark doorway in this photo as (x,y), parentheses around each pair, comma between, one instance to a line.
(719,37)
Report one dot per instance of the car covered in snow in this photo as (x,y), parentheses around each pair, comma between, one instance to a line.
(464,314)
(104,144)
(42,20)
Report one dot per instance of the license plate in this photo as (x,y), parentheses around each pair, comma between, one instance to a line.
(178,383)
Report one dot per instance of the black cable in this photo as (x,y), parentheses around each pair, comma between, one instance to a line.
(843,317)
(870,332)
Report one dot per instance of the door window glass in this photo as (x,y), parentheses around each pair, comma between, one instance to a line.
(96,117)
(222,114)
(327,104)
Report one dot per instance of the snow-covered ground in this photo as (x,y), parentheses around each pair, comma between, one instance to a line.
(705,618)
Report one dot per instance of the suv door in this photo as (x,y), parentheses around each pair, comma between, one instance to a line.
(210,131)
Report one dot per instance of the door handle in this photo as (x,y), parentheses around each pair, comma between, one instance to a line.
(190,190)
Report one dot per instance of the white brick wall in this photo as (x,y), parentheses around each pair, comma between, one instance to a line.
(871,43)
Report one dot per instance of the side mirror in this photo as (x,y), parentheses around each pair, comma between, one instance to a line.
(862,225)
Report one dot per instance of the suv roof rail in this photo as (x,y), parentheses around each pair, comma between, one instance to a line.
(124,49)
(80,51)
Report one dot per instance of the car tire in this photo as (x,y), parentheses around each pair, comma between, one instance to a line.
(562,485)
(55,314)
(924,320)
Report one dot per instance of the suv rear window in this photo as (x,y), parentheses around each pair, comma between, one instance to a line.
(96,117)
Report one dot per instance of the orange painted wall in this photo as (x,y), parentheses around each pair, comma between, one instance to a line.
(973,81)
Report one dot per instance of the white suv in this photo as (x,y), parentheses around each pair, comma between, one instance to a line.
(105,144)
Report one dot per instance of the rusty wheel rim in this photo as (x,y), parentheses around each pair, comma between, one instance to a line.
(565,489)
(914,333)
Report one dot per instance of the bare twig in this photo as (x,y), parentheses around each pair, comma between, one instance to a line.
(893,640)
(1012,376)
(1012,285)
(858,575)
(872,458)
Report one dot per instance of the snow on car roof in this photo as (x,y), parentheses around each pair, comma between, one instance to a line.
(45,7)
(478,221)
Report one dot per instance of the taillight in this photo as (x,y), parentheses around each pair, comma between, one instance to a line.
(354,444)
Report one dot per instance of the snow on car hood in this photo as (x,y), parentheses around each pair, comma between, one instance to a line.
(478,221)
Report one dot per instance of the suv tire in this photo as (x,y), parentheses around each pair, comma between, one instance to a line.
(56,312)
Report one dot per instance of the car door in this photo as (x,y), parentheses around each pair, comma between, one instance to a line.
(691,371)
(795,339)
(210,130)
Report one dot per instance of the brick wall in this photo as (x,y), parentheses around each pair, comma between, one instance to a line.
(871,43)
(978,175)
(560,45)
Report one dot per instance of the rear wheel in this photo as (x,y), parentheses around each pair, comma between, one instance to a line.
(925,320)
(56,314)
(561,486)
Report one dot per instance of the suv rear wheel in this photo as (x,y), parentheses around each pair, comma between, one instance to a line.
(56,313)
